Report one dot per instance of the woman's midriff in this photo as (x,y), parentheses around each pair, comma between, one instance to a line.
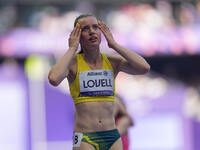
(94,116)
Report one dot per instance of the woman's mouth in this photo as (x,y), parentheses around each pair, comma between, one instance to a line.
(93,39)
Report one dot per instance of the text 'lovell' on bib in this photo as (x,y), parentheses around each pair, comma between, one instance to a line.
(93,85)
(96,83)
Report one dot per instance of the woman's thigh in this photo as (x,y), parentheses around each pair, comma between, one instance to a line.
(84,146)
(117,145)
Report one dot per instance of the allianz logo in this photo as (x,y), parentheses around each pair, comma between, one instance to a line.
(105,73)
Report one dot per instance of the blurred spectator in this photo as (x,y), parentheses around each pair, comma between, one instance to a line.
(123,121)
(187,14)
(8,18)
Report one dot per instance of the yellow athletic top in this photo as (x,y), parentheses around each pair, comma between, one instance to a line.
(93,85)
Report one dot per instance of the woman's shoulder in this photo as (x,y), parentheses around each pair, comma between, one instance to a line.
(114,58)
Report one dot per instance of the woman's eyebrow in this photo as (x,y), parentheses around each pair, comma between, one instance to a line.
(85,26)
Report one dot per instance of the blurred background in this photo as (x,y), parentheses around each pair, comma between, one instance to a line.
(164,104)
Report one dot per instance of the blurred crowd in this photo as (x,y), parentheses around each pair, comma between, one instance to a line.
(155,28)
(157,15)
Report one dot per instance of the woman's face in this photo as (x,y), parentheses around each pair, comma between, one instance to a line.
(90,34)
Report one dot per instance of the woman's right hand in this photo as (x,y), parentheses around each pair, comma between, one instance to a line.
(74,38)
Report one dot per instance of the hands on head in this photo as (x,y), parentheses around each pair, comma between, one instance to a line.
(75,35)
(107,33)
(74,38)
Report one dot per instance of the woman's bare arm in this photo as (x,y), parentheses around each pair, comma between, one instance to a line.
(127,60)
(62,68)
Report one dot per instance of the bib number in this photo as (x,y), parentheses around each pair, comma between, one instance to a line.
(77,137)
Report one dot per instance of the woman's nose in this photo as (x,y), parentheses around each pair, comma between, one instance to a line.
(91,31)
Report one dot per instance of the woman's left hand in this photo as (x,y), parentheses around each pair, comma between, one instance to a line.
(107,33)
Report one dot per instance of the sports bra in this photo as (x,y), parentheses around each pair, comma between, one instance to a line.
(93,85)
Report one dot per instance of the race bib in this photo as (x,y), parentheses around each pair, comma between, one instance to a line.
(77,137)
(96,83)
